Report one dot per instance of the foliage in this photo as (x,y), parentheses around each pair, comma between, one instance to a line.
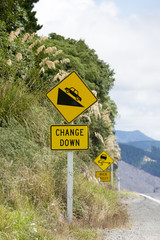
(149,161)
(13,14)
(26,71)
(33,180)
(95,72)
(100,203)
(155,153)
(19,14)
(97,126)
(31,64)
(100,78)
(34,191)
(32,25)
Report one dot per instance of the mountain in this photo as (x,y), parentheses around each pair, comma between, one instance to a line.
(134,179)
(148,161)
(136,139)
(145,145)
(140,151)
(131,136)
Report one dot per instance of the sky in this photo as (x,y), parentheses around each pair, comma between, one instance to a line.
(126,35)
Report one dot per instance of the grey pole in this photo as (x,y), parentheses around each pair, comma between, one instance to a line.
(119,184)
(112,175)
(69,185)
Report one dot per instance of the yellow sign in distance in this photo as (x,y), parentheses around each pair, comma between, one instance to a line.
(104,176)
(103,160)
(69,137)
(71,97)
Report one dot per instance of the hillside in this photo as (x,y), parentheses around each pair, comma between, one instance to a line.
(145,145)
(134,179)
(33,179)
(136,139)
(131,136)
(140,151)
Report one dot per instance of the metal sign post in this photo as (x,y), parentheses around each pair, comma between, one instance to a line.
(69,185)
(112,175)
(71,97)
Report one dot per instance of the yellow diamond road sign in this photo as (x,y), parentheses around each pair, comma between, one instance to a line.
(71,97)
(103,160)
(69,137)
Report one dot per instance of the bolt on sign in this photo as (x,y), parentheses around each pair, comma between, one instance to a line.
(103,160)
(104,176)
(69,137)
(71,97)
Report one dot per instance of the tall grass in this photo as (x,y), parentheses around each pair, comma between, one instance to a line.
(33,180)
(33,185)
(97,205)
(15,99)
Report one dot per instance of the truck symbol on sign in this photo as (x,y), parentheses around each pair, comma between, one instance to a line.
(102,160)
(73,92)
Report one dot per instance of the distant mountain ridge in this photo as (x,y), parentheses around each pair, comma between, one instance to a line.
(145,145)
(135,179)
(131,136)
(140,151)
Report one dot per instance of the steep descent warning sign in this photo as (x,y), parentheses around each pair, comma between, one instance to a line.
(71,97)
(69,137)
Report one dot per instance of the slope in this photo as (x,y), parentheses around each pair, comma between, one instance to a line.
(149,161)
(131,136)
(134,179)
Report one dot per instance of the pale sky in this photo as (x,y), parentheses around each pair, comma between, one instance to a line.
(126,35)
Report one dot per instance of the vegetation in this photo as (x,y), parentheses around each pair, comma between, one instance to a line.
(32,177)
(148,161)
(19,14)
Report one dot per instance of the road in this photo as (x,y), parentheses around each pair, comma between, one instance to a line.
(144,223)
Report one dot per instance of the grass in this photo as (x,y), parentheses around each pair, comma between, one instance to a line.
(15,99)
(33,179)
(33,189)
(101,204)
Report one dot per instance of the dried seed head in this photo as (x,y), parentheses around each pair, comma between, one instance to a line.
(65,60)
(11,36)
(99,136)
(95,110)
(17,32)
(43,61)
(31,37)
(54,48)
(57,52)
(9,62)
(42,70)
(25,37)
(56,61)
(19,56)
(50,49)
(40,49)
(33,44)
(62,74)
(50,64)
